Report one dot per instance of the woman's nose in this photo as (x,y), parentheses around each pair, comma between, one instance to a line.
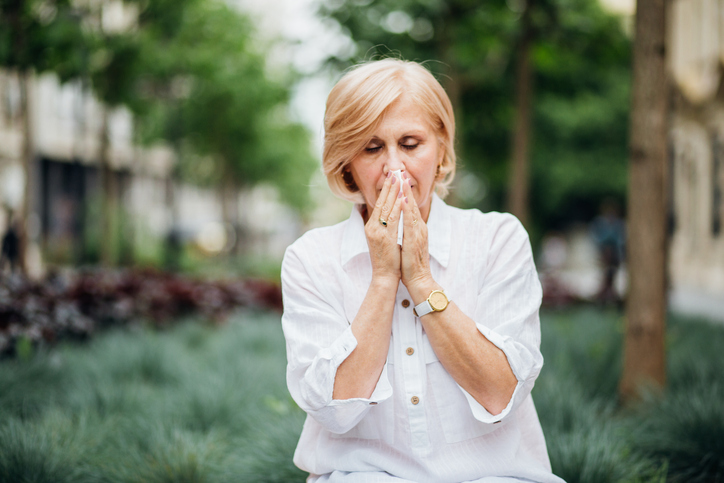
(394,161)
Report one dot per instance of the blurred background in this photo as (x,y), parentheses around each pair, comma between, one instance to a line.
(187,135)
(158,156)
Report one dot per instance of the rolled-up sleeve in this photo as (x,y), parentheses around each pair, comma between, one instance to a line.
(319,338)
(507,309)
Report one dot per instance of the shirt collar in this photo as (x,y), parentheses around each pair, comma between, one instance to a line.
(354,241)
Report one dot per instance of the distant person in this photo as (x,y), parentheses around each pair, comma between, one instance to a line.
(609,234)
(11,247)
(414,361)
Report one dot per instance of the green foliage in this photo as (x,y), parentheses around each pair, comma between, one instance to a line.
(214,100)
(581,61)
(575,397)
(28,387)
(43,36)
(192,404)
(580,151)
(252,266)
(45,451)
(685,429)
(201,403)
(192,73)
(671,437)
(593,361)
(686,373)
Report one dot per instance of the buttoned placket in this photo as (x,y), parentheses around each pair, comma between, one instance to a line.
(408,332)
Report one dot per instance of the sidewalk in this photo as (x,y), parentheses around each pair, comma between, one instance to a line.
(688,301)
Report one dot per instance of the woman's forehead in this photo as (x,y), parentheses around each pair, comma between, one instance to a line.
(403,116)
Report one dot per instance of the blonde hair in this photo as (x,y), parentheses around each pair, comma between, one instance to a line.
(355,107)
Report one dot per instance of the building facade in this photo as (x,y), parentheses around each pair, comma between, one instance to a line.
(696,55)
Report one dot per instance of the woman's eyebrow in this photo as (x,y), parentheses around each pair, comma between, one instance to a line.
(417,133)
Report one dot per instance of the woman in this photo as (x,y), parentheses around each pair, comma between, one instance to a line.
(413,362)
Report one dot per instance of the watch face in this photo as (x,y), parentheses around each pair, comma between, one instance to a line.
(438,300)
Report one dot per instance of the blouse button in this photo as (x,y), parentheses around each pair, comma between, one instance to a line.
(410,351)
(405,303)
(415,399)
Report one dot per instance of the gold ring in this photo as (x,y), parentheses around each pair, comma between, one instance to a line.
(383,222)
(414,221)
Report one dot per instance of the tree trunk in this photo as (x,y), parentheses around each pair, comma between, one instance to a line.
(173,248)
(518,182)
(108,195)
(644,353)
(126,234)
(28,159)
(230,213)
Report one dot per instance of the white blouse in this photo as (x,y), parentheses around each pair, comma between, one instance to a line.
(419,424)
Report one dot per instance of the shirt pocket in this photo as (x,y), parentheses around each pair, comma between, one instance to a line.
(379,422)
(452,407)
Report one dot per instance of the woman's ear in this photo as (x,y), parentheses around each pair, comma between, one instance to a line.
(441,159)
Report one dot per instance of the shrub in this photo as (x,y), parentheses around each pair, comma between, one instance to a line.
(584,346)
(47,450)
(74,306)
(685,429)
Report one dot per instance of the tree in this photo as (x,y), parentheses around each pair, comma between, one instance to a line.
(579,64)
(518,179)
(38,36)
(125,62)
(644,347)
(191,74)
(230,126)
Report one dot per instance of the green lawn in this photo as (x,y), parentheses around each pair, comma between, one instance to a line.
(206,403)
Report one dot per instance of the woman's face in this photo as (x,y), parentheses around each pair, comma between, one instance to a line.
(404,140)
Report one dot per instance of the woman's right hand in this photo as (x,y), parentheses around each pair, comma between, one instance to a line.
(382,240)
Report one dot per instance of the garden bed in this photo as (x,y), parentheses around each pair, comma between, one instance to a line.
(203,402)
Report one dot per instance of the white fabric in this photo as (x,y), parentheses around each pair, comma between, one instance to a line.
(485,265)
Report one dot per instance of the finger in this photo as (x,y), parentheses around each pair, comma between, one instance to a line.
(390,197)
(407,209)
(409,206)
(375,215)
(394,216)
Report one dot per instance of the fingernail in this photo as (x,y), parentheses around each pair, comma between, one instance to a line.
(394,180)
(399,195)
(408,181)
(405,199)
(389,173)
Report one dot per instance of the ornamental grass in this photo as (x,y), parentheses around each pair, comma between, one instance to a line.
(203,402)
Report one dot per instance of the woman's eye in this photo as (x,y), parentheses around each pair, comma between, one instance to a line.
(409,147)
(373,149)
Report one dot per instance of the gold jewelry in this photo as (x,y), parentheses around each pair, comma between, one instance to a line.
(414,221)
(383,222)
(437,301)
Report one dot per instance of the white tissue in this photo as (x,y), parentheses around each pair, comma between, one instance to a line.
(400,225)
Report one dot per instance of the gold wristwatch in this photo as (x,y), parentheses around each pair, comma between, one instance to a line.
(437,301)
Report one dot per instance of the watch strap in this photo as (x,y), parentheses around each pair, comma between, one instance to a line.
(425,307)
(422,308)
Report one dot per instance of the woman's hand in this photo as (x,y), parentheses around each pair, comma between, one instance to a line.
(415,256)
(382,240)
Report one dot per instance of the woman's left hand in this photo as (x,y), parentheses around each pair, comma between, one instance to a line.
(415,259)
